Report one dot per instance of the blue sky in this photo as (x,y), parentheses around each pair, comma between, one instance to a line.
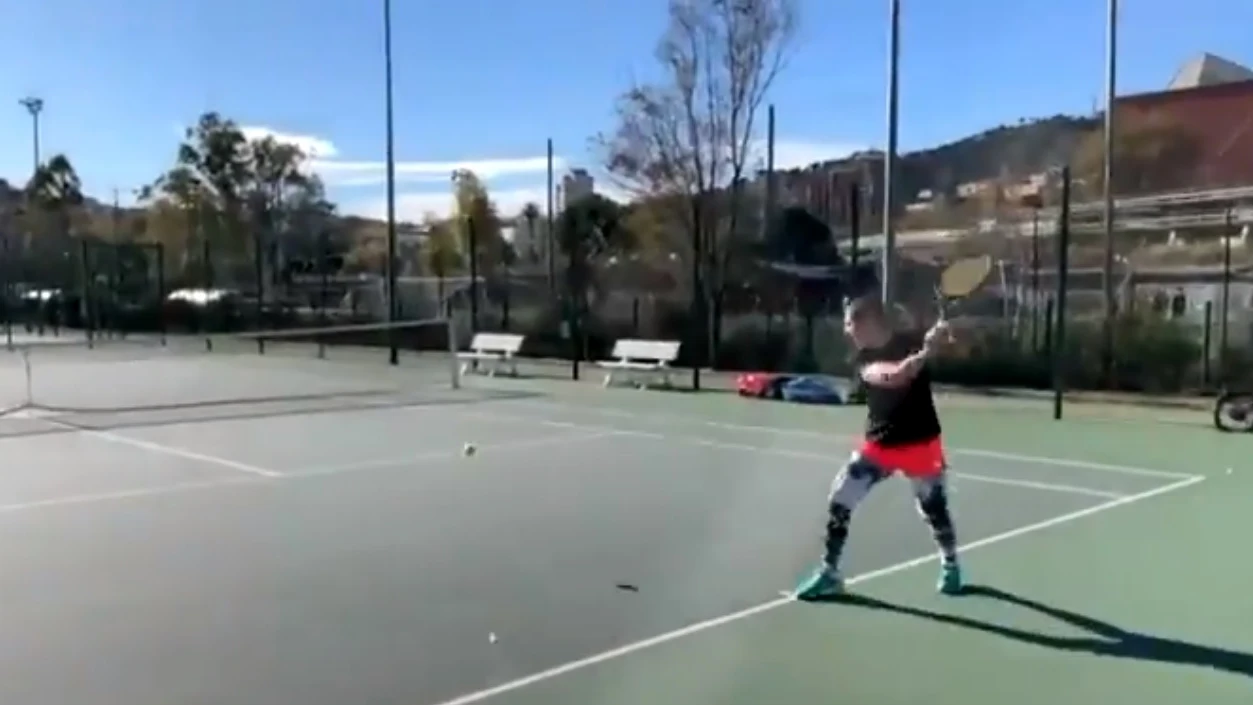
(487,81)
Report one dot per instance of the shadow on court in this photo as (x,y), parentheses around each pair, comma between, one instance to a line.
(1106,640)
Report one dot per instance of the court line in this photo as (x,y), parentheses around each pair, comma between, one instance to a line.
(972,477)
(606,431)
(698,627)
(777,431)
(118,495)
(435,456)
(1043,486)
(175,451)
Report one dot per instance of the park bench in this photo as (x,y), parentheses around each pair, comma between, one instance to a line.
(640,359)
(497,350)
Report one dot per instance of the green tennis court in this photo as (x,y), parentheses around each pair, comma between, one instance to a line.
(1136,597)
(602,546)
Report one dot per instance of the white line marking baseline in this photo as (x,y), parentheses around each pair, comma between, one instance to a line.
(828,460)
(691,629)
(608,431)
(837,437)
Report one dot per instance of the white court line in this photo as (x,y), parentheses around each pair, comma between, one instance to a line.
(603,431)
(119,495)
(628,649)
(175,451)
(805,455)
(818,435)
(1044,486)
(435,456)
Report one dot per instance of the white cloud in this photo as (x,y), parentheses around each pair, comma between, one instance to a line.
(323,160)
(315,148)
(796,154)
(414,205)
(411,206)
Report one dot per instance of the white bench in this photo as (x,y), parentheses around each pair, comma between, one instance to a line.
(637,358)
(499,350)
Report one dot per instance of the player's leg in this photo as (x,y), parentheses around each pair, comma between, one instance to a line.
(931,493)
(851,485)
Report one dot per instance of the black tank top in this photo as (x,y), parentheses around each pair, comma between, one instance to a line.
(899,416)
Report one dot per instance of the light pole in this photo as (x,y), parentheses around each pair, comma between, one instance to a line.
(1111,79)
(34,106)
(392,351)
(888,272)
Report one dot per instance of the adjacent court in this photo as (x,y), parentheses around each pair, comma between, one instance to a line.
(606,546)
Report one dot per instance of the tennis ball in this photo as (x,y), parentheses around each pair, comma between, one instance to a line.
(468,450)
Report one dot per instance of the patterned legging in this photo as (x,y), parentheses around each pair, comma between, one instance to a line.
(854,483)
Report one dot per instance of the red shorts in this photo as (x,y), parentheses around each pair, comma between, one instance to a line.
(923,459)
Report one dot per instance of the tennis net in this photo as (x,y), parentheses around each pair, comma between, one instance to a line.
(283,371)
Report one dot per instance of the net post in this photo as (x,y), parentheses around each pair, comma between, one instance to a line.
(29,401)
(454,370)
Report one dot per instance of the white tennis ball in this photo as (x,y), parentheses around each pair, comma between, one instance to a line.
(468,450)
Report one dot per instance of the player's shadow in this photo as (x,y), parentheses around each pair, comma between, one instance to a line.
(1106,639)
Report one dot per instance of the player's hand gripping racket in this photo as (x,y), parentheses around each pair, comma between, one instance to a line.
(958,281)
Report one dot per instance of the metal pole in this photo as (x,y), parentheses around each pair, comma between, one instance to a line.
(1059,335)
(87,308)
(1035,280)
(34,106)
(1111,48)
(772,192)
(854,237)
(7,271)
(472,233)
(161,323)
(698,294)
(1224,302)
(551,243)
(888,276)
(393,353)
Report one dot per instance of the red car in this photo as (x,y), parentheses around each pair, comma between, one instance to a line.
(762,385)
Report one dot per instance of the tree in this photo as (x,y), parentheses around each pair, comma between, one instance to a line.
(530,213)
(238,193)
(586,230)
(474,209)
(53,193)
(441,253)
(685,139)
(1151,153)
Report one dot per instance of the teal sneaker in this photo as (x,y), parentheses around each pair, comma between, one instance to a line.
(950,579)
(823,584)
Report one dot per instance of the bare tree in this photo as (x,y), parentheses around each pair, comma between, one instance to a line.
(683,144)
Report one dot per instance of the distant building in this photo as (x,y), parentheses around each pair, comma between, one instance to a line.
(530,240)
(826,188)
(577,184)
(1211,100)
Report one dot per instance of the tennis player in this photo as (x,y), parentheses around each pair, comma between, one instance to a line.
(902,436)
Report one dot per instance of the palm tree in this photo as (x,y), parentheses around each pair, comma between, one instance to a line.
(55,189)
(530,212)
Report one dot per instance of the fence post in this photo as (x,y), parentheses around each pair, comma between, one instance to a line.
(1207,325)
(1063,246)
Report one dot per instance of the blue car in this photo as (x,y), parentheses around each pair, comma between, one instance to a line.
(817,389)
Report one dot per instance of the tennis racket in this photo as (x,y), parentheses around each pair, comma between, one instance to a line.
(959,280)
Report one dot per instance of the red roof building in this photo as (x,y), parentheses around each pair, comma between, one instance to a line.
(1212,101)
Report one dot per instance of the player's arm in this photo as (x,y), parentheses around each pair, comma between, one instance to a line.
(902,372)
